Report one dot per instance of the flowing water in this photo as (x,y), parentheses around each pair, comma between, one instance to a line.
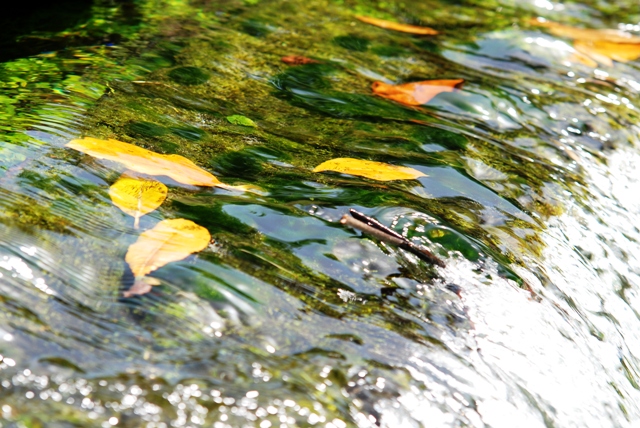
(288,318)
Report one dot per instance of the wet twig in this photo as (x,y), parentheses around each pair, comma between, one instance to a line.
(376,229)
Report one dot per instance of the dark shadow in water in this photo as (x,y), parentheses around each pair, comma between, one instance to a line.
(31,27)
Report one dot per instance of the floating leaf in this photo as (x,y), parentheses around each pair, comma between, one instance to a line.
(405,28)
(416,93)
(145,161)
(237,119)
(137,196)
(370,169)
(298,60)
(169,241)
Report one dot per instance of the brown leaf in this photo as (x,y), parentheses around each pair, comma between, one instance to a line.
(395,26)
(141,286)
(298,60)
(416,93)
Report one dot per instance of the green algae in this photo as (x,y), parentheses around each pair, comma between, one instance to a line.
(188,75)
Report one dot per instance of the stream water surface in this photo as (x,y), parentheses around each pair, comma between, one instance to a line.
(288,318)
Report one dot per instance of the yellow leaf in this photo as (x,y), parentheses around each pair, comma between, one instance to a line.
(137,196)
(145,161)
(369,169)
(169,241)
(405,28)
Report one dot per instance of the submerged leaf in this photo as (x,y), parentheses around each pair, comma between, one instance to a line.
(169,241)
(141,286)
(145,161)
(416,93)
(370,169)
(247,188)
(588,60)
(405,28)
(298,60)
(237,119)
(586,34)
(596,46)
(603,52)
(137,196)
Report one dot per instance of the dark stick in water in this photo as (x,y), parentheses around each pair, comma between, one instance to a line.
(375,224)
(376,229)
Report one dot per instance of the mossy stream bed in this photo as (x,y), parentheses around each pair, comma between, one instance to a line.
(288,318)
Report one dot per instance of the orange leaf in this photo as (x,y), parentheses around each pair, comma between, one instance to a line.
(405,28)
(416,93)
(586,34)
(298,60)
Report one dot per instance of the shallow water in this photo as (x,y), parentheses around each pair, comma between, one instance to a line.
(288,318)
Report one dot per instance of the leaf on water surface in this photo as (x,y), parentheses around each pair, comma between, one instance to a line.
(137,196)
(237,119)
(598,45)
(169,241)
(415,93)
(145,161)
(298,60)
(370,169)
(395,26)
